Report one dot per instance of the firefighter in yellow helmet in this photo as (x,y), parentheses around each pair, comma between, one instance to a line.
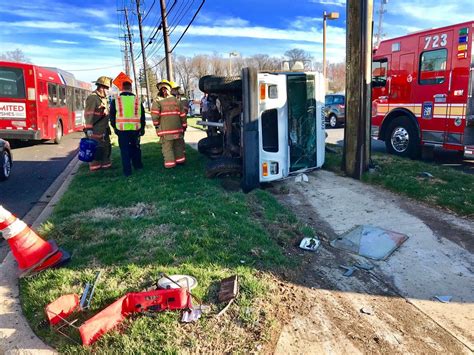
(179,94)
(169,120)
(96,115)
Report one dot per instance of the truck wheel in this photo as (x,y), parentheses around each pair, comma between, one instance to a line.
(5,166)
(212,145)
(224,167)
(402,138)
(220,84)
(59,132)
(333,121)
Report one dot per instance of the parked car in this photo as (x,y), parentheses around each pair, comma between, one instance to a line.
(335,110)
(5,160)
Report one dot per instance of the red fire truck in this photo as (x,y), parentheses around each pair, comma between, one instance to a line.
(39,103)
(422,91)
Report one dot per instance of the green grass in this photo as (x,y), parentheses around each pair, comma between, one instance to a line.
(449,188)
(174,221)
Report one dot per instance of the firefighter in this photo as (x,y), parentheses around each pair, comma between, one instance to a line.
(96,115)
(127,117)
(169,120)
(179,94)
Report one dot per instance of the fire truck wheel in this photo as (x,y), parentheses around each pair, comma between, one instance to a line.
(59,132)
(5,166)
(224,167)
(402,138)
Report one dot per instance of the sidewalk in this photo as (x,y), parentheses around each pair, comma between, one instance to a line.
(436,260)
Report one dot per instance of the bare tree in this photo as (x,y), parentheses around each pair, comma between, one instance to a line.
(183,68)
(200,65)
(16,55)
(297,54)
(337,77)
(263,62)
(218,65)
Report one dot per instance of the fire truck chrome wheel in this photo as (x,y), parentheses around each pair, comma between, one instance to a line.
(400,139)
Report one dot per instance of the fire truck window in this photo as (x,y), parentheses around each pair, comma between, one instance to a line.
(62,96)
(52,94)
(433,67)
(12,84)
(379,72)
(270,130)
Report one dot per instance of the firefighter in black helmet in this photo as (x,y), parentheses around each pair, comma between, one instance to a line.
(96,115)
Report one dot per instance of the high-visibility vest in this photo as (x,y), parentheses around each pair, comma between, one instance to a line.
(128,113)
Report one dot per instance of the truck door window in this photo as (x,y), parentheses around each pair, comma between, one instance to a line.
(433,67)
(12,84)
(379,72)
(270,130)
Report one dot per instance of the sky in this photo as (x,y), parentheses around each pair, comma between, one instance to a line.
(84,37)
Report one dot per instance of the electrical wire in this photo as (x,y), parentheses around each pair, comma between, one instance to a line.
(187,27)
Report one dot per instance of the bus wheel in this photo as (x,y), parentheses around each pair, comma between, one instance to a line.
(402,138)
(224,167)
(59,132)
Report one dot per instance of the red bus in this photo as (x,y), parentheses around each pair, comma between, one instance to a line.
(423,91)
(38,103)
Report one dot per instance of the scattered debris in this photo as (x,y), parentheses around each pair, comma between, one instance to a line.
(369,241)
(366,310)
(364,265)
(229,289)
(177,281)
(301,178)
(444,299)
(88,293)
(426,174)
(310,243)
(349,270)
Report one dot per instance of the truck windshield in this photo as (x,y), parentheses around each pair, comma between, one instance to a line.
(301,121)
(12,84)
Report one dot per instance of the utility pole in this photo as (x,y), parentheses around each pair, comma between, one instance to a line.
(125,55)
(143,54)
(166,39)
(358,85)
(381,11)
(131,53)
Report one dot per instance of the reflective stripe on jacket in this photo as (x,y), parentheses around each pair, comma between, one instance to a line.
(168,116)
(128,113)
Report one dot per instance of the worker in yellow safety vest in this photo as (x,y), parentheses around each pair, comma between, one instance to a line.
(169,120)
(127,117)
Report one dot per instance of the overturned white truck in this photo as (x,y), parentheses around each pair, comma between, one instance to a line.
(263,126)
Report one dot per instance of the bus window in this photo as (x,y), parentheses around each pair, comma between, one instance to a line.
(12,84)
(433,67)
(379,72)
(52,94)
(62,96)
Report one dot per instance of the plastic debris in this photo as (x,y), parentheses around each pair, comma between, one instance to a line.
(310,243)
(349,270)
(366,310)
(444,299)
(370,241)
(426,174)
(364,265)
(177,281)
(301,178)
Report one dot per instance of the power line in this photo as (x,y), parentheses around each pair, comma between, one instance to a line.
(187,27)
(91,69)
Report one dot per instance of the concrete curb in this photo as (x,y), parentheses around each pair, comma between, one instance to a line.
(16,336)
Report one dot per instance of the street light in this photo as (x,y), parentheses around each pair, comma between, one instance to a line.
(232,54)
(327,16)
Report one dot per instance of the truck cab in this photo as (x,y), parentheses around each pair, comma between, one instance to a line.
(263,126)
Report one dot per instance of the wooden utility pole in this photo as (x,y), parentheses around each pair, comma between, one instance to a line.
(145,74)
(125,55)
(358,87)
(166,40)
(130,42)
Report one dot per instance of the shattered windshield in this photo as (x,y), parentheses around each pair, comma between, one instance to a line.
(302,121)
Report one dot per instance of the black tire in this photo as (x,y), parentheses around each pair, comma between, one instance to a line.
(224,167)
(220,84)
(332,122)
(211,146)
(59,132)
(5,165)
(402,138)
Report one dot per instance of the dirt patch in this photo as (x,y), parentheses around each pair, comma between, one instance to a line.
(114,213)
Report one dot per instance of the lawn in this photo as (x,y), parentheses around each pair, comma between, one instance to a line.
(174,221)
(447,188)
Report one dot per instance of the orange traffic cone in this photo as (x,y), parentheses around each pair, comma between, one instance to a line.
(31,252)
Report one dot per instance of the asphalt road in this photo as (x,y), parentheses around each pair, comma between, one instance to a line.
(441,157)
(35,167)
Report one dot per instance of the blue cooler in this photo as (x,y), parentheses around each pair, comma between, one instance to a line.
(87,148)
